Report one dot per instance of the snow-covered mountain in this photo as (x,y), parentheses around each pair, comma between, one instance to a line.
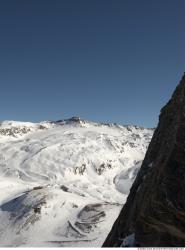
(64,183)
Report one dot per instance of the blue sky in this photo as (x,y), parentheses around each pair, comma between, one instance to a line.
(103,60)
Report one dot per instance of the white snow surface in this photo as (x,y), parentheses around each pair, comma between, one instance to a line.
(129,241)
(63,184)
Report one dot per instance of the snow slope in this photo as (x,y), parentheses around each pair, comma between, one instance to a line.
(64,183)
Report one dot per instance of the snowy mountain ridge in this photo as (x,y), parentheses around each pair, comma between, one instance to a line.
(17,128)
(67,179)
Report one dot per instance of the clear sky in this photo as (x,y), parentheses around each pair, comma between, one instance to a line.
(103,60)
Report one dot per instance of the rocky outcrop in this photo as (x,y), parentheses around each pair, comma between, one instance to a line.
(14,131)
(155,209)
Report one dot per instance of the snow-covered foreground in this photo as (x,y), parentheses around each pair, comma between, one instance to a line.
(64,183)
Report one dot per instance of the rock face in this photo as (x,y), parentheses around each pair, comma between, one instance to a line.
(155,209)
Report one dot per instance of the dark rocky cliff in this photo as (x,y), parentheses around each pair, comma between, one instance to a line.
(155,208)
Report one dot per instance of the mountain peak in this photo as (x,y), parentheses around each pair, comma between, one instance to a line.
(75,119)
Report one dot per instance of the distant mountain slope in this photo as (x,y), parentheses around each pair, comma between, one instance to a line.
(63,183)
